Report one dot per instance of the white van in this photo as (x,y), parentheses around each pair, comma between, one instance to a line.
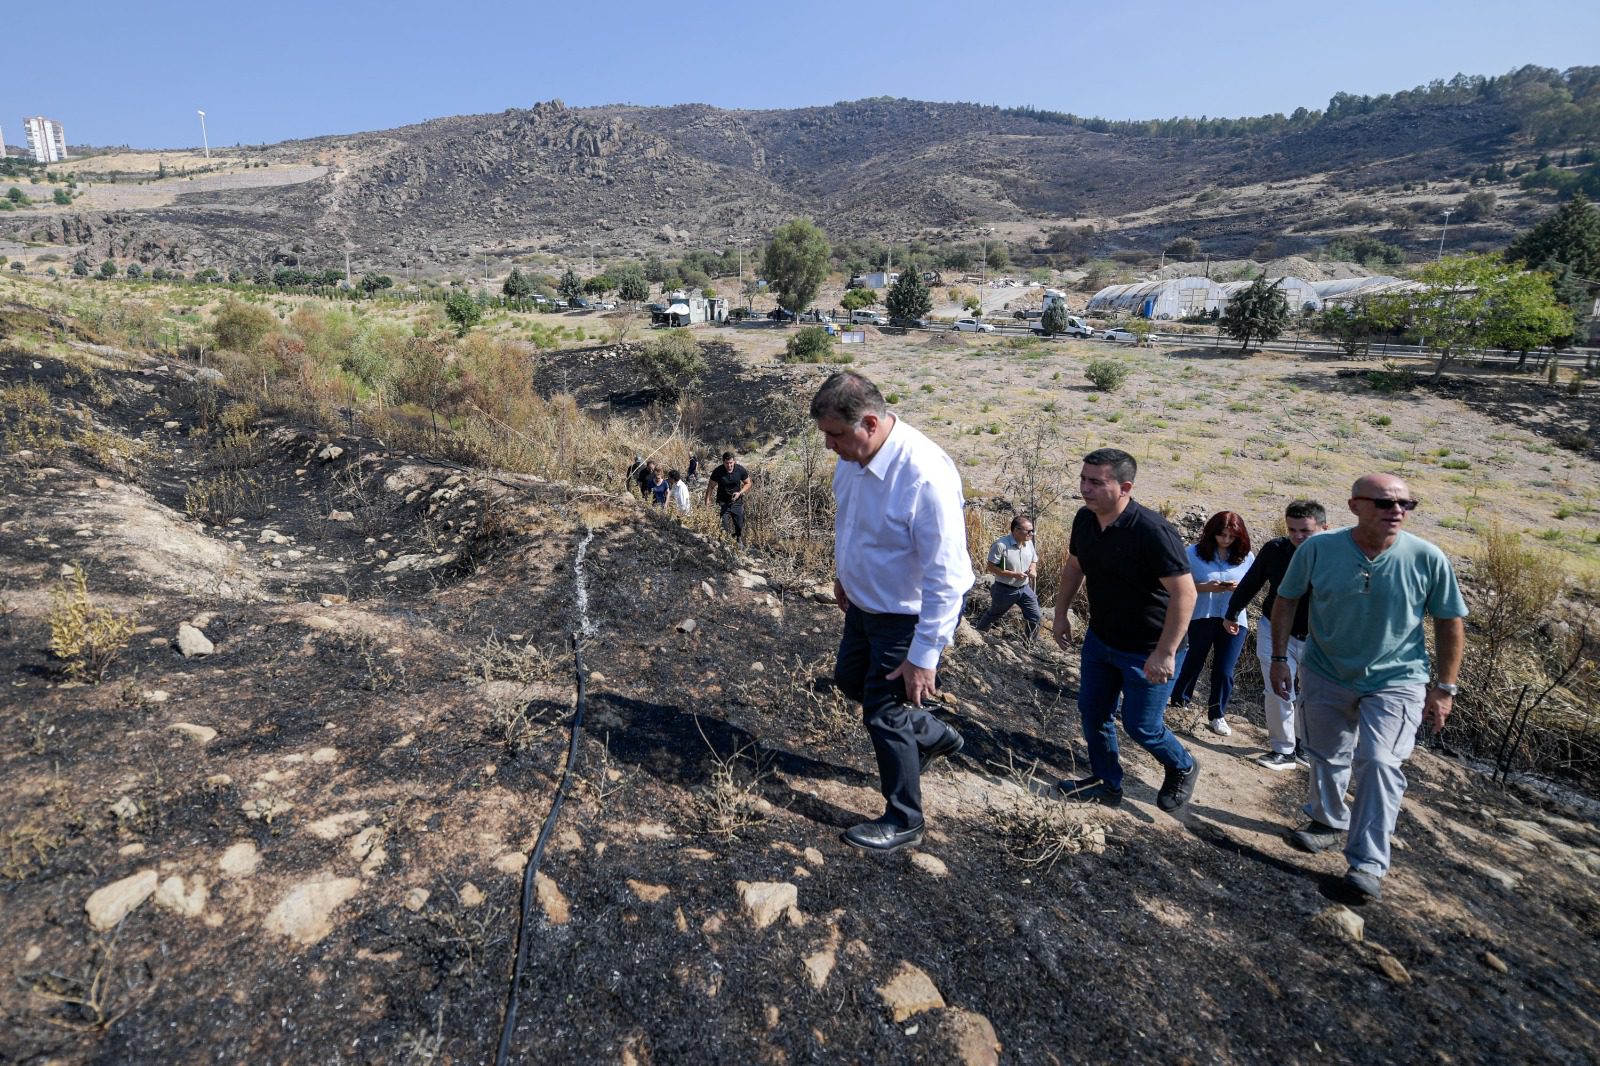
(867,318)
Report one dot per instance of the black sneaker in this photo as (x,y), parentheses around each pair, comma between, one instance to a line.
(1300,759)
(1315,836)
(1363,887)
(1090,790)
(949,744)
(1276,760)
(1177,788)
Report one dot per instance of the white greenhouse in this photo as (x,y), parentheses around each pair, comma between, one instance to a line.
(1300,293)
(1165,300)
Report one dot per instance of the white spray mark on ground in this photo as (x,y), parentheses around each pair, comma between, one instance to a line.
(586,627)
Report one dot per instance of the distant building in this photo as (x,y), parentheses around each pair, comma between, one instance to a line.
(47,141)
(2,142)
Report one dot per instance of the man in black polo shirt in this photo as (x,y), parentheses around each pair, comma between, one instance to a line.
(1304,519)
(732,482)
(1140,600)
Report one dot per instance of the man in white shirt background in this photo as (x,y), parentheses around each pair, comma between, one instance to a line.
(900,553)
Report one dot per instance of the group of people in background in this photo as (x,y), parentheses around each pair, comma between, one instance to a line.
(1341,643)
(728,480)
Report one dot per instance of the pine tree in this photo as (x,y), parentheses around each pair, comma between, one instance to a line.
(909,297)
(1570,237)
(1260,312)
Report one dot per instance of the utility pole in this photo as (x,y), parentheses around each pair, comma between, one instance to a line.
(1442,232)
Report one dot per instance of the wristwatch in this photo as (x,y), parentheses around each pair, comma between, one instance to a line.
(1448,690)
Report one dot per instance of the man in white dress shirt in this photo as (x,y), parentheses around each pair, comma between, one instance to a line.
(900,552)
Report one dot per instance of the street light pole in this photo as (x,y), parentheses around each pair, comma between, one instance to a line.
(203,139)
(1442,232)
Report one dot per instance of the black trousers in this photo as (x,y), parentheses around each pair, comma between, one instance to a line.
(733,522)
(870,649)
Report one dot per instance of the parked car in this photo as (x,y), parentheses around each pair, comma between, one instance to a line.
(867,318)
(815,317)
(1031,314)
(778,314)
(1120,336)
(605,305)
(911,323)
(579,303)
(972,325)
(656,309)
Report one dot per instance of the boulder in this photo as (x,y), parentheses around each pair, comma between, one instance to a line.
(970,1038)
(764,902)
(305,914)
(193,643)
(1340,921)
(110,904)
(910,991)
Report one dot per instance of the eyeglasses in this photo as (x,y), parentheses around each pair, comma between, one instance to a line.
(1383,504)
(1024,529)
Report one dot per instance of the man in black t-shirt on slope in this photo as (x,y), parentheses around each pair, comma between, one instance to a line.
(1140,600)
(731,482)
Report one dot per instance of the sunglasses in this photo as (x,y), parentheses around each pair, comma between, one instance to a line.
(1389,505)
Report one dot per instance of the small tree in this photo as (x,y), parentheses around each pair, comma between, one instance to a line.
(1107,375)
(80,267)
(62,197)
(135,270)
(795,263)
(632,285)
(570,284)
(463,311)
(1055,318)
(16,195)
(516,285)
(1260,312)
(671,363)
(108,269)
(856,299)
(909,297)
(599,285)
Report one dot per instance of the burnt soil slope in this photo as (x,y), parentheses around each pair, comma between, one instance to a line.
(391,688)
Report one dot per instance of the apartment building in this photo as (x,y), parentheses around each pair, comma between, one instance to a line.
(47,141)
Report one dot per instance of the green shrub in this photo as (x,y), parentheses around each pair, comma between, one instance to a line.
(671,362)
(810,345)
(240,327)
(1107,375)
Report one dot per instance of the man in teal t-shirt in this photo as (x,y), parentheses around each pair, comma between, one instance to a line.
(1364,682)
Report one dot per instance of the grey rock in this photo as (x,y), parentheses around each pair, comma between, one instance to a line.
(193,643)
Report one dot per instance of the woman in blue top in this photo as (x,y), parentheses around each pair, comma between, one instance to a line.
(1218,562)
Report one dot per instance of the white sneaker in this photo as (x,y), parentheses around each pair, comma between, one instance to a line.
(1220,727)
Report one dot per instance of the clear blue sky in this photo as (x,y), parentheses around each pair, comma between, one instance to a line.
(124,73)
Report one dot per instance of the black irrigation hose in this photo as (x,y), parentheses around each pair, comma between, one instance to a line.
(530,871)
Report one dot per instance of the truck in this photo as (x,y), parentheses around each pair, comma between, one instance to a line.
(1076,327)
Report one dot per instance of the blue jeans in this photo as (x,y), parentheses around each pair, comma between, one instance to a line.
(1206,636)
(1107,676)
(872,646)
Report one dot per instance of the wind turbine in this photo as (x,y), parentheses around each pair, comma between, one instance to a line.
(203,139)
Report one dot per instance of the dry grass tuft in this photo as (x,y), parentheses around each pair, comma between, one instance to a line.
(1037,829)
(86,637)
(732,801)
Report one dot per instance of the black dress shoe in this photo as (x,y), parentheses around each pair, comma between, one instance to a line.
(1090,790)
(1177,788)
(882,835)
(950,744)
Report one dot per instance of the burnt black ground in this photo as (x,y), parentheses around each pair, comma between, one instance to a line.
(1188,940)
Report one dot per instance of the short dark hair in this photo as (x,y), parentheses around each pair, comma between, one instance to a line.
(1124,467)
(726,456)
(848,396)
(1020,518)
(673,475)
(1307,509)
